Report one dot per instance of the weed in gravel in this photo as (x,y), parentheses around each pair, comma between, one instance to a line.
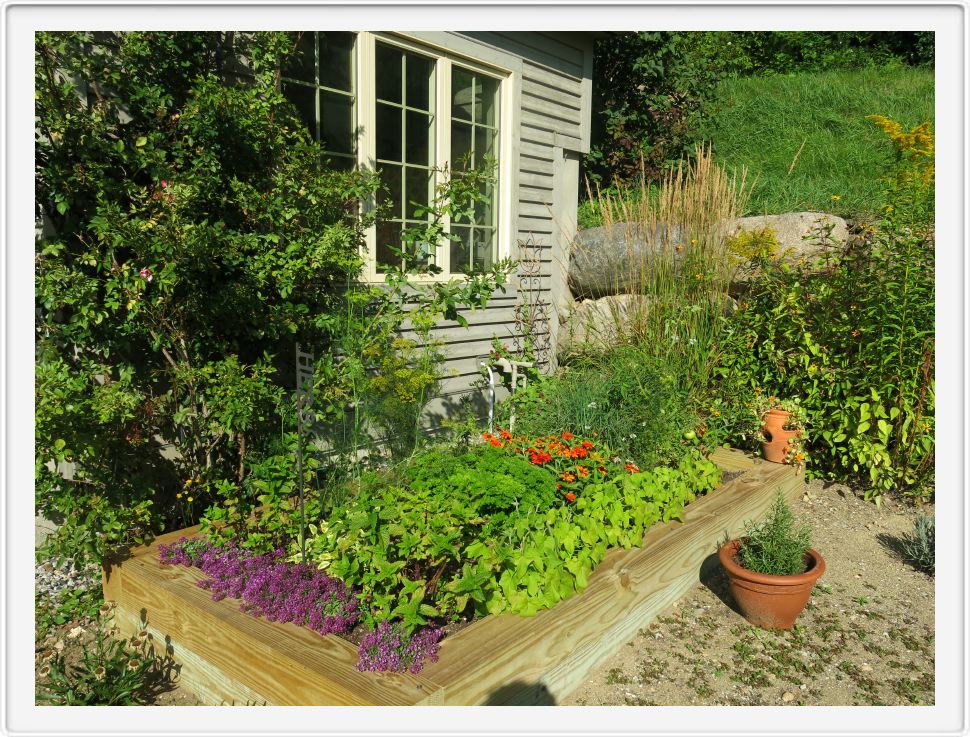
(652,669)
(616,675)
(914,691)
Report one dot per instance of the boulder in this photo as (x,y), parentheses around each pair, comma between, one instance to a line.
(794,230)
(604,261)
(599,324)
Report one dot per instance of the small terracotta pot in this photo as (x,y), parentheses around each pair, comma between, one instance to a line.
(772,602)
(776,443)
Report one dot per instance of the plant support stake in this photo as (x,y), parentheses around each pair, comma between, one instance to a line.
(304,387)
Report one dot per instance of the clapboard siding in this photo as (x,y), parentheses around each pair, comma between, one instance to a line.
(553,105)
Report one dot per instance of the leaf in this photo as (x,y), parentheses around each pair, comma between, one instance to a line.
(141,141)
(61,206)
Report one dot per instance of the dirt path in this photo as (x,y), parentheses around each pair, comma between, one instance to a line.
(867,637)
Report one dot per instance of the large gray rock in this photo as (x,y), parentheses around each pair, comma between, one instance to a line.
(598,324)
(606,260)
(797,232)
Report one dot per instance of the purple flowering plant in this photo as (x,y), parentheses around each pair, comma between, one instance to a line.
(268,585)
(390,648)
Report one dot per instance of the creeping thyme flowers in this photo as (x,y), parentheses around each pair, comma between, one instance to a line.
(390,648)
(269,586)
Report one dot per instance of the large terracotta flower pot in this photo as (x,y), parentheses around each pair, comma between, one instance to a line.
(772,602)
(777,438)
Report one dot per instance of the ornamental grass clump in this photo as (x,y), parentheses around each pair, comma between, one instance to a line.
(390,648)
(269,586)
(777,546)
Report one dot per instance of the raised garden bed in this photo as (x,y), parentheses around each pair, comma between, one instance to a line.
(227,656)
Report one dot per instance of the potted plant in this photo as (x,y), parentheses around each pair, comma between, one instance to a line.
(781,424)
(772,568)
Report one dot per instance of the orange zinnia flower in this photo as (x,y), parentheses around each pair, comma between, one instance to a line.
(567,436)
(570,497)
(632,468)
(568,478)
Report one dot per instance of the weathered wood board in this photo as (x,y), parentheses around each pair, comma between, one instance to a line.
(229,657)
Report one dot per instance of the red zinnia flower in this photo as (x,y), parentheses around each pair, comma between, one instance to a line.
(570,497)
(632,468)
(567,436)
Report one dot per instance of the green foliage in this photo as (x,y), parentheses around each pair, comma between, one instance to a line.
(776,546)
(110,672)
(631,400)
(812,141)
(919,546)
(746,53)
(494,485)
(749,245)
(650,89)
(429,551)
(190,228)
(68,605)
(854,341)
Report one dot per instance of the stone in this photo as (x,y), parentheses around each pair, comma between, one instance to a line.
(797,246)
(606,260)
(601,323)
(788,696)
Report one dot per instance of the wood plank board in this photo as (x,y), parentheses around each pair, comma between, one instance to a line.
(231,657)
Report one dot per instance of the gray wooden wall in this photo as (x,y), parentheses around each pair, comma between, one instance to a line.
(552,77)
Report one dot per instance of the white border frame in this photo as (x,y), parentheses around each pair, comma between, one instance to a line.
(949,19)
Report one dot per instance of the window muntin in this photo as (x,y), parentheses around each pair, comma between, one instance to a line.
(474,143)
(321,82)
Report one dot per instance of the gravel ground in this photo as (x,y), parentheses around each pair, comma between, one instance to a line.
(867,637)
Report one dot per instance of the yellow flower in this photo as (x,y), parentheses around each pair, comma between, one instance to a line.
(188,482)
(179,495)
(189,499)
(836,198)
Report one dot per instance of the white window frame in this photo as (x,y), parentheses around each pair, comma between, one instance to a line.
(366,108)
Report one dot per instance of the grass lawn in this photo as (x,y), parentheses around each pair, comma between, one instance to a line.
(763,122)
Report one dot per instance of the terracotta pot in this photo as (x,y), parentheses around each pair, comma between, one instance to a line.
(775,446)
(772,602)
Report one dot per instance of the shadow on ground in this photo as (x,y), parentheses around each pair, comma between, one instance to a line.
(521,693)
(712,576)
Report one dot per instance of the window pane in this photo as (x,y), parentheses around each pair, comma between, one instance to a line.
(417,189)
(486,103)
(337,60)
(337,122)
(391,179)
(419,252)
(388,75)
(485,209)
(305,99)
(388,236)
(483,244)
(302,64)
(342,163)
(388,132)
(461,249)
(461,93)
(485,140)
(461,145)
(419,138)
(419,75)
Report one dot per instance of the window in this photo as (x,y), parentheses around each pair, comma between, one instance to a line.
(407,111)
(321,83)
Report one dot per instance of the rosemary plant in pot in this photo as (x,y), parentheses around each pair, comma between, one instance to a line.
(772,568)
